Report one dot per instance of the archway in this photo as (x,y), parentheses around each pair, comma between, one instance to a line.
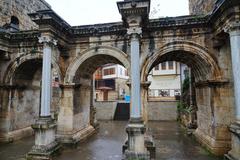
(204,65)
(78,94)
(209,85)
(21,95)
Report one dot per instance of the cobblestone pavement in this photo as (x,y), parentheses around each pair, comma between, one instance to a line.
(171,142)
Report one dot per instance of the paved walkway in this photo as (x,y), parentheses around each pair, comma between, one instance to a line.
(170,140)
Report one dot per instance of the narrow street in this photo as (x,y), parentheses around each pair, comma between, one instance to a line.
(171,142)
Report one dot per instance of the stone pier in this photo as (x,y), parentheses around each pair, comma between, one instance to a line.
(69,132)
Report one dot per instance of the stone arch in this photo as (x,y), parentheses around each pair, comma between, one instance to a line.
(18,61)
(210,88)
(100,55)
(21,94)
(77,98)
(197,57)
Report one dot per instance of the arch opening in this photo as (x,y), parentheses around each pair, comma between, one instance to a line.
(85,85)
(202,67)
(88,67)
(103,79)
(199,106)
(21,94)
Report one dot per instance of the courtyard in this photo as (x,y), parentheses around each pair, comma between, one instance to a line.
(171,140)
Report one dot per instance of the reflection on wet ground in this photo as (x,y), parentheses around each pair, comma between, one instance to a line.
(171,142)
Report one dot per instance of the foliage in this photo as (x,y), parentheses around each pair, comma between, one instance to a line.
(184,108)
(186,84)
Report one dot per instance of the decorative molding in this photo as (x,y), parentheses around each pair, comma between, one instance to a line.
(69,86)
(211,83)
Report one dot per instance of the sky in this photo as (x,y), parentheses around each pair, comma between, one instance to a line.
(84,12)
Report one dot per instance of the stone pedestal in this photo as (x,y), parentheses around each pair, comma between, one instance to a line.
(93,120)
(45,145)
(234,154)
(136,141)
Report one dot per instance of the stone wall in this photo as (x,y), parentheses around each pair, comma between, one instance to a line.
(157,110)
(105,110)
(162,110)
(20,9)
(201,6)
(214,116)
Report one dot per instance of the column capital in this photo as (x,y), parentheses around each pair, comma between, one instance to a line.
(69,86)
(134,32)
(47,40)
(233,28)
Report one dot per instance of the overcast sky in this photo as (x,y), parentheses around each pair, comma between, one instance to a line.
(83,12)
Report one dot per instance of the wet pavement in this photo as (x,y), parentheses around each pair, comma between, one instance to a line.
(171,143)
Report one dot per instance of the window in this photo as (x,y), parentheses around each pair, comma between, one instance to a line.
(170,65)
(121,71)
(157,67)
(163,65)
(126,72)
(109,71)
(14,22)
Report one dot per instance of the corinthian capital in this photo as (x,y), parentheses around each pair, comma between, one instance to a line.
(233,28)
(134,30)
(47,40)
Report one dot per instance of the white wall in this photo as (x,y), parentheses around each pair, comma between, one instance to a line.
(164,82)
(168,79)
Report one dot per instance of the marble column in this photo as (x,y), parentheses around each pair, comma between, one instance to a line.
(46,76)
(136,129)
(45,127)
(135,72)
(234,31)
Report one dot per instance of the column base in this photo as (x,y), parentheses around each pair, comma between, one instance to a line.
(229,157)
(16,135)
(234,154)
(93,120)
(72,138)
(130,155)
(215,146)
(138,145)
(45,144)
(46,152)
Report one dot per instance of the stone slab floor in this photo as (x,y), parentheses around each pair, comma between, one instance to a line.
(170,140)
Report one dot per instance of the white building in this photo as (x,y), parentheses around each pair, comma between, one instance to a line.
(165,80)
(114,71)
(110,83)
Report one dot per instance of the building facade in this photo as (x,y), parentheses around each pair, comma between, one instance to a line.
(165,80)
(111,83)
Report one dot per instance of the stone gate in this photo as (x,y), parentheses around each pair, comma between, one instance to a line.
(208,44)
